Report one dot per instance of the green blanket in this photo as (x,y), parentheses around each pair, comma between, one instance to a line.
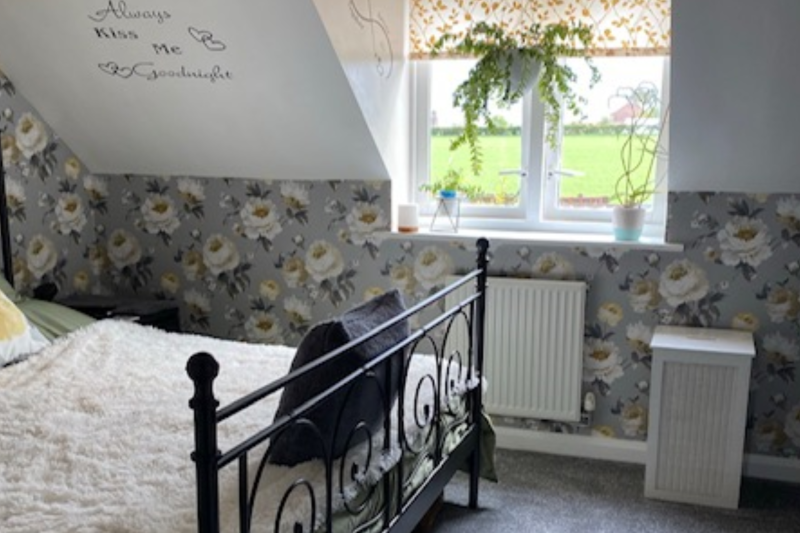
(52,319)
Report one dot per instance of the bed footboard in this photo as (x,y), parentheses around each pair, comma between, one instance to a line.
(388,476)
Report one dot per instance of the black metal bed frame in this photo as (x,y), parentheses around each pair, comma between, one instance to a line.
(400,512)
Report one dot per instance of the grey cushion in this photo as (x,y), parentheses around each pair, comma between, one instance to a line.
(298,444)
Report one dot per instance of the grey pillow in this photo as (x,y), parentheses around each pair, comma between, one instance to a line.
(297,443)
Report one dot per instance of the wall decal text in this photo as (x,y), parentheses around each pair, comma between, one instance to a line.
(150,72)
(120,11)
(112,20)
(113,33)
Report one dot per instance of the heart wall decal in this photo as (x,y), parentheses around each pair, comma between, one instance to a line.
(113,69)
(206,38)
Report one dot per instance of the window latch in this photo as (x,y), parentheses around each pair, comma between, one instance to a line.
(513,172)
(564,172)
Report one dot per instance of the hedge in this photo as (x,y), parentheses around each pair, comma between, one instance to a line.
(514,131)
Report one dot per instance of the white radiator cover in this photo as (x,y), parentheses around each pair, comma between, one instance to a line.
(533,347)
(698,409)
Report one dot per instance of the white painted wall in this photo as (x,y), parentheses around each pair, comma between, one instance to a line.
(282,107)
(370,38)
(735,123)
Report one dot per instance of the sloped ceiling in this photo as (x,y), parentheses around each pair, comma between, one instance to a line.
(217,88)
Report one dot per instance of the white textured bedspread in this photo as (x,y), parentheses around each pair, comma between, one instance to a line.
(95,431)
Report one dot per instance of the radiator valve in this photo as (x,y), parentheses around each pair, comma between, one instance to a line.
(589,402)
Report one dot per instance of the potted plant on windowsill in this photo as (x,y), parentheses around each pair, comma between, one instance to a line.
(508,66)
(639,153)
(451,185)
(449,189)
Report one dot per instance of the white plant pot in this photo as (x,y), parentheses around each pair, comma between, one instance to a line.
(524,72)
(627,222)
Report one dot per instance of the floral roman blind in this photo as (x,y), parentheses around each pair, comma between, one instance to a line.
(621,27)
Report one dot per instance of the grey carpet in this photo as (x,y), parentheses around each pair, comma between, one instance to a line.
(541,493)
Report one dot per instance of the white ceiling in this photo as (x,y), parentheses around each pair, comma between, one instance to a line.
(282,107)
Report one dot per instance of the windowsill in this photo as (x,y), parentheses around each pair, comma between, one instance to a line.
(539,238)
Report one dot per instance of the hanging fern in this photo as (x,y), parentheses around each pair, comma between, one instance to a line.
(492,79)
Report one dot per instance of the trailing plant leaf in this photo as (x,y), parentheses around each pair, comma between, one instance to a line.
(507,67)
(453,180)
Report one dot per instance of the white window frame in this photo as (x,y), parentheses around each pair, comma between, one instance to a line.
(538,211)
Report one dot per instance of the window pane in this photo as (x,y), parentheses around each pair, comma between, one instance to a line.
(590,158)
(499,182)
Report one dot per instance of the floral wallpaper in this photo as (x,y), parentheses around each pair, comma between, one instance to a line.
(49,210)
(264,260)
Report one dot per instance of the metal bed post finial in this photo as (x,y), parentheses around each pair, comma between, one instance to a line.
(203,369)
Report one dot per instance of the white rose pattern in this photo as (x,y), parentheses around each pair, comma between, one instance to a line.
(552,265)
(198,304)
(31,135)
(364,221)
(788,211)
(644,296)
(191,190)
(402,277)
(610,313)
(295,195)
(634,420)
(294,272)
(123,248)
(10,149)
(260,219)
(431,267)
(41,256)
(298,311)
(72,168)
(70,215)
(639,337)
(744,240)
(220,254)
(159,215)
(780,350)
(782,304)
(683,282)
(601,361)
(15,193)
(96,187)
(323,261)
(263,327)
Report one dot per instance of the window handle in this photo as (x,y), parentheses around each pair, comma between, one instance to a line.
(513,172)
(565,173)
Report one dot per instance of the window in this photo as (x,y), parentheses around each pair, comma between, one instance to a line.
(526,184)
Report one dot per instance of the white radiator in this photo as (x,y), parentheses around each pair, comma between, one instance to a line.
(533,347)
(698,411)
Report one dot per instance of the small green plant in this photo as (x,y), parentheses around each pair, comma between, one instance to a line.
(642,146)
(508,65)
(453,180)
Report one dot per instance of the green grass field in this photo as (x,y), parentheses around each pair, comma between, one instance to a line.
(596,156)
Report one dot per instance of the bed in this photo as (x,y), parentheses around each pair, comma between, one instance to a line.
(81,449)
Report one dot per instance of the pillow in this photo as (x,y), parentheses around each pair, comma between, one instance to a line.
(8,290)
(298,444)
(16,336)
(52,319)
